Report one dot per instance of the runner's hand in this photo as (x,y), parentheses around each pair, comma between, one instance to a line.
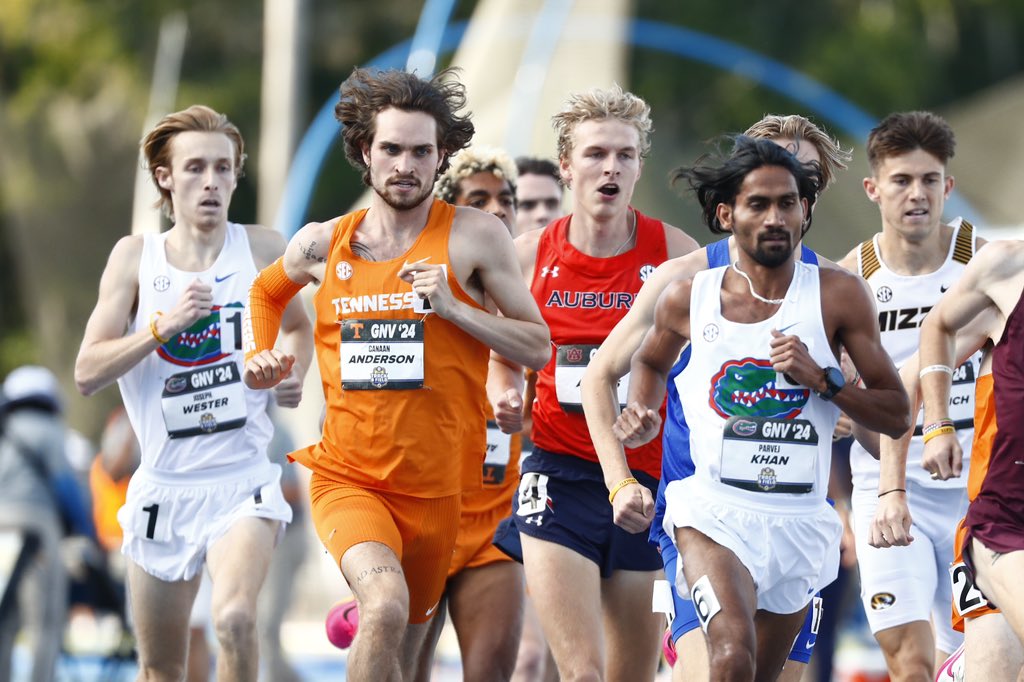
(637,425)
(267,368)
(633,508)
(508,413)
(196,302)
(891,525)
(943,457)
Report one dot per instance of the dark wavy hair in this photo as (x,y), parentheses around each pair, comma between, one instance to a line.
(366,92)
(716,179)
(904,132)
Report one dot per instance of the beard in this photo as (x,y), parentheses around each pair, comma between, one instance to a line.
(403,201)
(772,256)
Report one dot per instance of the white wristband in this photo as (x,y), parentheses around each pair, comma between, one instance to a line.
(935,368)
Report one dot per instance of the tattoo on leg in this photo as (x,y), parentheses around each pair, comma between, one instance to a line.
(377,570)
(308,252)
(362,251)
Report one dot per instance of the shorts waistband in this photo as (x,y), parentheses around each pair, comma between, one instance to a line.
(780,504)
(229,472)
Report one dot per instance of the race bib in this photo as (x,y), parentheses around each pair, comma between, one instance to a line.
(967,598)
(499,451)
(570,363)
(204,400)
(381,354)
(152,521)
(769,455)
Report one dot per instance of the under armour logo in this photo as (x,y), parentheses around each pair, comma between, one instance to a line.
(545,271)
(538,519)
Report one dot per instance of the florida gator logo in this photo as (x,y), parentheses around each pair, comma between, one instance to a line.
(746,388)
(200,344)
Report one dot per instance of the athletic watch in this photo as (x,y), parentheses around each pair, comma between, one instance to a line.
(834,382)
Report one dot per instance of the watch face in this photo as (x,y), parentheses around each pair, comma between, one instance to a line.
(834,381)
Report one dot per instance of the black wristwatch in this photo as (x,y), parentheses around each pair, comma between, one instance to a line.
(834,382)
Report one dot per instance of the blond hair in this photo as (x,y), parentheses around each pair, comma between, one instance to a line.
(797,128)
(471,161)
(156,145)
(597,104)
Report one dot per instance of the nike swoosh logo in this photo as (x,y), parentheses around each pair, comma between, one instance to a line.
(431,609)
(788,326)
(218,280)
(810,644)
(943,288)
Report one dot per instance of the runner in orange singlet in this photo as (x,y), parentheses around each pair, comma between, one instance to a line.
(402,338)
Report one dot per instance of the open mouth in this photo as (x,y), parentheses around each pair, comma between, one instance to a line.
(609,190)
(917,213)
(209,203)
(407,183)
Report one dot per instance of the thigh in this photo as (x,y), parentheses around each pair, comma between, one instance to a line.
(633,630)
(991,649)
(775,635)
(898,584)
(565,588)
(238,561)
(160,613)
(999,578)
(721,588)
(486,607)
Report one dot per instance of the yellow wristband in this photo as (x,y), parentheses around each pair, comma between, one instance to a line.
(942,430)
(619,486)
(152,328)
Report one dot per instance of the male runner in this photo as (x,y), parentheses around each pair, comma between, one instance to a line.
(168,327)
(402,339)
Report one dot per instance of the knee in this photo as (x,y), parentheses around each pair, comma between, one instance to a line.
(731,661)
(908,663)
(164,672)
(531,660)
(235,627)
(384,615)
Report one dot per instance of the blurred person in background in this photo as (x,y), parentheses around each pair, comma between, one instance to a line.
(43,503)
(538,193)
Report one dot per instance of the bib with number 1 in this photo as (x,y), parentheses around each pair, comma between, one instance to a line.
(381,354)
(570,364)
(769,455)
(210,398)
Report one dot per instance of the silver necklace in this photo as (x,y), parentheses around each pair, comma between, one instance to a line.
(750,285)
(632,232)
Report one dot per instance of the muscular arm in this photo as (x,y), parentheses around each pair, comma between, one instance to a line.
(678,243)
(519,333)
(612,361)
(106,353)
(882,404)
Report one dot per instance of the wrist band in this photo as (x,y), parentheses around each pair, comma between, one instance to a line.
(935,368)
(928,428)
(894,490)
(152,328)
(940,431)
(619,486)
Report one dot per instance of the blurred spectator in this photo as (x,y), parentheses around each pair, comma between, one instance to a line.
(42,502)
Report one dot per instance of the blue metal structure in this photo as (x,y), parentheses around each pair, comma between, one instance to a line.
(674,40)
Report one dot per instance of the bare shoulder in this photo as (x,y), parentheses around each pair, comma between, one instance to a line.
(266,244)
(313,240)
(1000,259)
(678,242)
(838,282)
(126,256)
(829,264)
(479,226)
(526,249)
(685,266)
(849,261)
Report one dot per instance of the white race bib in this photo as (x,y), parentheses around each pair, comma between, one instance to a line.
(381,354)
(204,400)
(769,455)
(499,451)
(570,363)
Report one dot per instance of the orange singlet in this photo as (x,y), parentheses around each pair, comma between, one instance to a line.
(404,389)
(405,428)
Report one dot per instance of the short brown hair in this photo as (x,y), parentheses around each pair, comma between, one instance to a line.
(156,145)
(797,128)
(611,104)
(904,132)
(366,93)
